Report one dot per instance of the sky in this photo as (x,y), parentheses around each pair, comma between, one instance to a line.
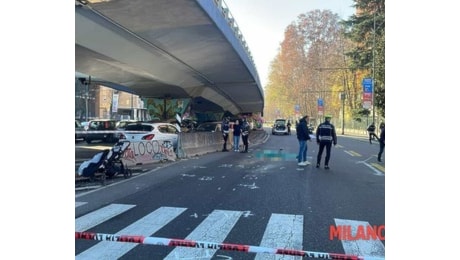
(263,22)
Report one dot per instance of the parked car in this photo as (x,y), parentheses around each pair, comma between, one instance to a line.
(151,131)
(121,125)
(79,128)
(279,127)
(107,127)
(84,124)
(311,129)
(209,127)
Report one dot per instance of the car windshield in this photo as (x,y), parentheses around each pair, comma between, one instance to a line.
(207,127)
(123,124)
(280,122)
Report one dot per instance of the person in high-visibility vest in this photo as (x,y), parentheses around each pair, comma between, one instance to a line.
(245,128)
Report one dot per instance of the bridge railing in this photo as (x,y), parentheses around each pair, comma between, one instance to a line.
(232,23)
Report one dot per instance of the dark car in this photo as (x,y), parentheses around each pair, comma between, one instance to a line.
(78,130)
(107,129)
(209,127)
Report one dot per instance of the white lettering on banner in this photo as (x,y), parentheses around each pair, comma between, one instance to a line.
(148,152)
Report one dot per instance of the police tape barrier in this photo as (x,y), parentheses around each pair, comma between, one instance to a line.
(159,241)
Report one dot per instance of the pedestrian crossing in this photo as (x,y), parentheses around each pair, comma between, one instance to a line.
(282,231)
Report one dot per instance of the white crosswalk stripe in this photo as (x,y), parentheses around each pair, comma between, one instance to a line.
(144,227)
(99,216)
(214,228)
(282,231)
(360,247)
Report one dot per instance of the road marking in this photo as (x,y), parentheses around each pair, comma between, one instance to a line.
(78,204)
(214,228)
(251,186)
(146,226)
(378,166)
(282,231)
(376,171)
(352,153)
(360,247)
(97,217)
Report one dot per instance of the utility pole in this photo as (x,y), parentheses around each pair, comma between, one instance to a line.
(373,72)
(87,84)
(132,107)
(342,97)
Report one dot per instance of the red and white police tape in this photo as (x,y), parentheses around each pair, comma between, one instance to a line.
(159,241)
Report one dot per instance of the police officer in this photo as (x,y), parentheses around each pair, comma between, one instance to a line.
(225,131)
(325,137)
(245,127)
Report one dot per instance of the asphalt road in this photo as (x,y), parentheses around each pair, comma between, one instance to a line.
(260,198)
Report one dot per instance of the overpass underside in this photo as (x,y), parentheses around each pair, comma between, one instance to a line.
(167,49)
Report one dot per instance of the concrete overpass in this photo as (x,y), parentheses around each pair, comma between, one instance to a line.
(168,49)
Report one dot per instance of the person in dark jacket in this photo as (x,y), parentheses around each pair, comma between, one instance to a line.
(236,135)
(303,136)
(381,141)
(225,131)
(245,127)
(325,137)
(371,131)
(289,127)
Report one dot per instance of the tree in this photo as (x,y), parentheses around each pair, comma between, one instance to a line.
(312,42)
(366,29)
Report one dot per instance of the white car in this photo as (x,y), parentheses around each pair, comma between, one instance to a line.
(280,127)
(138,132)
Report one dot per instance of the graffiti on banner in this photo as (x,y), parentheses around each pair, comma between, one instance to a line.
(148,152)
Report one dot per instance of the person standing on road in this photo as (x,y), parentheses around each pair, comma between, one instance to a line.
(289,127)
(371,131)
(381,141)
(236,135)
(303,136)
(325,137)
(225,131)
(245,134)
